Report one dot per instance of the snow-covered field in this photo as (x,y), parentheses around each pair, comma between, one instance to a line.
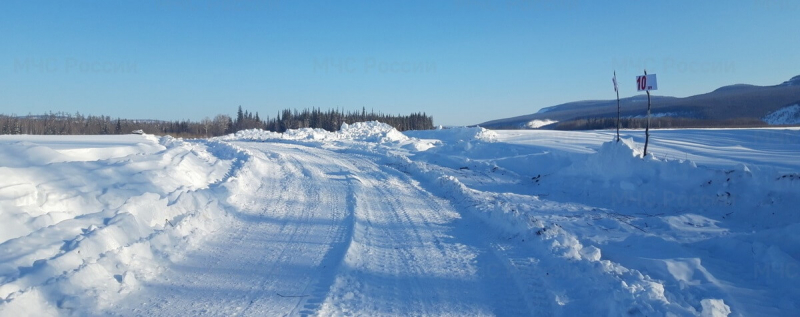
(371,221)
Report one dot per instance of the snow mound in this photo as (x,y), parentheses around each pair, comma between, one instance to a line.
(292,134)
(784,116)
(456,135)
(620,166)
(535,124)
(20,154)
(623,157)
(80,233)
(714,308)
(373,131)
(45,149)
(616,154)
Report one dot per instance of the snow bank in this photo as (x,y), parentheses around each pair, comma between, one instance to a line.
(535,124)
(54,148)
(676,223)
(456,135)
(76,235)
(623,160)
(373,131)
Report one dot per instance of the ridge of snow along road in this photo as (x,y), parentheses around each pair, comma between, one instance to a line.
(717,238)
(84,221)
(360,131)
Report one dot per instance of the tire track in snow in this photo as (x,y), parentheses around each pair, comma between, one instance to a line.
(321,233)
(330,263)
(276,239)
(406,233)
(510,279)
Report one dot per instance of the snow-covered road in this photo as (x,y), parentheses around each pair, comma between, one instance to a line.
(318,232)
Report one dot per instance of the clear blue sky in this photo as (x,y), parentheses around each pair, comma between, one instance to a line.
(462,61)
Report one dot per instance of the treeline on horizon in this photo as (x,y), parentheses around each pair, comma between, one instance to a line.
(655,123)
(61,123)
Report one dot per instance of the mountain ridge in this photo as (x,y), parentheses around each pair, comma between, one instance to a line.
(744,103)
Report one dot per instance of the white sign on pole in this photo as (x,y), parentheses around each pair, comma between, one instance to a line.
(647,82)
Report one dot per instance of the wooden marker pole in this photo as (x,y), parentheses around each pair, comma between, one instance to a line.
(647,128)
(616,89)
(647,83)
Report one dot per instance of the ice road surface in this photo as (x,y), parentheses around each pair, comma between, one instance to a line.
(368,221)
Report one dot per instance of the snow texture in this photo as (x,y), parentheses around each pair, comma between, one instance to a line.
(371,221)
(535,124)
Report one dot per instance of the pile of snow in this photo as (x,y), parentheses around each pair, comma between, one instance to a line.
(372,131)
(623,161)
(535,124)
(456,134)
(80,229)
(44,149)
(785,116)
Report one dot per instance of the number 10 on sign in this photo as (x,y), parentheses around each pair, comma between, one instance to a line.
(646,82)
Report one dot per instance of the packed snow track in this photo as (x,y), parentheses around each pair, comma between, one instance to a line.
(325,233)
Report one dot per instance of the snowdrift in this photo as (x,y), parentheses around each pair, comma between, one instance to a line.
(79,231)
(535,124)
(361,131)
(667,227)
(456,135)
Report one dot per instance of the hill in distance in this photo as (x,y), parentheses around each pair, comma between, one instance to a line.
(739,105)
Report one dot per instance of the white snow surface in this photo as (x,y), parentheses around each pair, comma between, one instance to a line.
(535,124)
(361,131)
(784,116)
(369,221)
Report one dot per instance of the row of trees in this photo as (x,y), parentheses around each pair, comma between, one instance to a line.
(332,120)
(60,123)
(71,124)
